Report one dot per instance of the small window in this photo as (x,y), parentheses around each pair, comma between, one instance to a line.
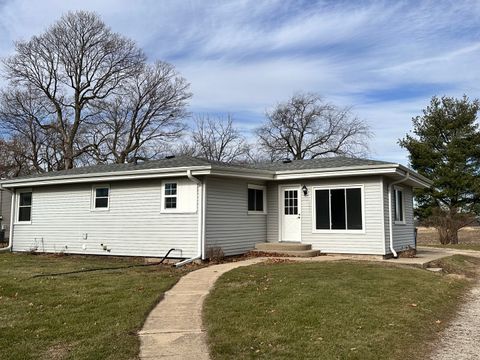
(170,195)
(256,198)
(25,206)
(291,202)
(398,201)
(338,209)
(101,195)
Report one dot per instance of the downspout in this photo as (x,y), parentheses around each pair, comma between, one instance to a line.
(10,231)
(390,220)
(200,208)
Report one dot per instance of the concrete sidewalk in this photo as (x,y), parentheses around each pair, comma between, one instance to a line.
(173,330)
(423,257)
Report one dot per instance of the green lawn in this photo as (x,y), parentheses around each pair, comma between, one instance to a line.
(458,264)
(330,310)
(93,315)
(456,246)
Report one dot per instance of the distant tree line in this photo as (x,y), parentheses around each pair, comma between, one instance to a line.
(81,94)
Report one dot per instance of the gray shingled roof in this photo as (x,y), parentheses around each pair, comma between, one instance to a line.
(181,161)
(187,161)
(320,163)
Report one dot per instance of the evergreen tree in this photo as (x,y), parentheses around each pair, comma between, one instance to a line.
(445,147)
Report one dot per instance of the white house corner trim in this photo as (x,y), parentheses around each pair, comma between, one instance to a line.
(384,236)
(202,206)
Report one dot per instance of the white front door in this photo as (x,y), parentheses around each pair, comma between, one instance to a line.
(290,214)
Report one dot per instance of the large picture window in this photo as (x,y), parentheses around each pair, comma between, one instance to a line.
(338,209)
(256,198)
(24,206)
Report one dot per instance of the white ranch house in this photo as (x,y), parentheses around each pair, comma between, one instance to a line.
(336,205)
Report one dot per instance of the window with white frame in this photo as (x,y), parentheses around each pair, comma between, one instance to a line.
(179,196)
(170,195)
(256,198)
(398,202)
(338,209)
(101,197)
(24,206)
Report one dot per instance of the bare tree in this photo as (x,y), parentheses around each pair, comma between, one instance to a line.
(307,127)
(216,138)
(149,110)
(75,63)
(25,116)
(11,164)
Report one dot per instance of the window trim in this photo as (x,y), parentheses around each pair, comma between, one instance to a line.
(336,187)
(17,207)
(94,197)
(181,198)
(264,189)
(170,196)
(402,190)
(163,209)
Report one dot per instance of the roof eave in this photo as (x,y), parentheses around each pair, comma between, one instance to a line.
(106,176)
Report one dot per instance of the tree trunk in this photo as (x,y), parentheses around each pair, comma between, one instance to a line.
(443,235)
(453,236)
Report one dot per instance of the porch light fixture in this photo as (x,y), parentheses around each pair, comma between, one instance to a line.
(305,190)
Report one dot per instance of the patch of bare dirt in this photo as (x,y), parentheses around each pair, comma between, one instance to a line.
(58,352)
(460,340)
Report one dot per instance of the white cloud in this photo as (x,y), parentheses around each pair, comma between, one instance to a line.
(244,56)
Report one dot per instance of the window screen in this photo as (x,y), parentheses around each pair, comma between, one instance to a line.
(337,206)
(170,194)
(398,201)
(322,209)
(354,209)
(255,199)
(25,206)
(338,209)
(101,197)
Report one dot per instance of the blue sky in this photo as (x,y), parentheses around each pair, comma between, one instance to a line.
(384,58)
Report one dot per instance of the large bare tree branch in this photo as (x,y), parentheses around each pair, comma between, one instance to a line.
(150,109)
(216,138)
(75,63)
(307,127)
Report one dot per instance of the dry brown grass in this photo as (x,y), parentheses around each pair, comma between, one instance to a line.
(467,235)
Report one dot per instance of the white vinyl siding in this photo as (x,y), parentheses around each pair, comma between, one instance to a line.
(403,232)
(368,241)
(5,204)
(62,220)
(229,224)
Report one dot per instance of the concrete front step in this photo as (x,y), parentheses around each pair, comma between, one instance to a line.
(293,253)
(283,246)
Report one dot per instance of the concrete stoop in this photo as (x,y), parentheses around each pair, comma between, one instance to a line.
(286,249)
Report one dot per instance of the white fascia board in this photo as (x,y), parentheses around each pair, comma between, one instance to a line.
(104,177)
(419,178)
(342,168)
(243,174)
(334,173)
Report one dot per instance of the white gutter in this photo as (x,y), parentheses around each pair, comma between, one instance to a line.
(99,177)
(390,220)
(10,231)
(201,210)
